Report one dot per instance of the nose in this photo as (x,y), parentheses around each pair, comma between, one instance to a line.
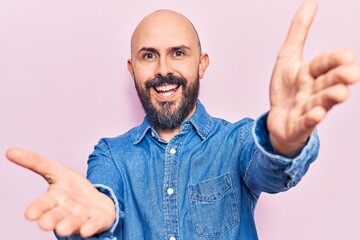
(164,68)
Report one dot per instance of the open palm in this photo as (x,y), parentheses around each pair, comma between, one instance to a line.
(71,204)
(302,93)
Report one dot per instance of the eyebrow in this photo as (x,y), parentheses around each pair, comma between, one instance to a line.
(170,49)
(173,49)
(148,49)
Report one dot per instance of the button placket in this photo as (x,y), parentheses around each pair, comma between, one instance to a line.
(169,194)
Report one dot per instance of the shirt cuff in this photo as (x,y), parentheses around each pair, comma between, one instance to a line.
(295,167)
(119,214)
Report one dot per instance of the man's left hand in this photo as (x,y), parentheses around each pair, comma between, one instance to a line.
(301,94)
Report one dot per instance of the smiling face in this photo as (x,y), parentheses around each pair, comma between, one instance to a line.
(166,64)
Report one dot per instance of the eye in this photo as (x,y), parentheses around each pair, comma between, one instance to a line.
(147,56)
(179,53)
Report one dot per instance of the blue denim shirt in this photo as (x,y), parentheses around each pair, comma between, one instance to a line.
(203,184)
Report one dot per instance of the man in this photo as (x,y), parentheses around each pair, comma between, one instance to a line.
(182,174)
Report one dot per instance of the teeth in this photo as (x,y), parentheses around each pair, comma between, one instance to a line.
(166,88)
(166,94)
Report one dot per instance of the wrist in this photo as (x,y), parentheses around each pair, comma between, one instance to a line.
(285,148)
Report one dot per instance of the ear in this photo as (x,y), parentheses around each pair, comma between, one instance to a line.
(204,63)
(130,68)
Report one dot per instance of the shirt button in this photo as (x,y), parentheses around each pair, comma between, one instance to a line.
(199,230)
(172,238)
(170,191)
(172,151)
(152,134)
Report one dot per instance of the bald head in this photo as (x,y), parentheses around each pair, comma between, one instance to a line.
(164,28)
(166,65)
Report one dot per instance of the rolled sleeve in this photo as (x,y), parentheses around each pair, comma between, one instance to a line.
(281,172)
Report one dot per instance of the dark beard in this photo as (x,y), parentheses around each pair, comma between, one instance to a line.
(166,118)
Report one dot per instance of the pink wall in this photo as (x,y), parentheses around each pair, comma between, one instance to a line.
(64,84)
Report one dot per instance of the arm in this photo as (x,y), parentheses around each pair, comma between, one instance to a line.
(301,94)
(107,177)
(71,205)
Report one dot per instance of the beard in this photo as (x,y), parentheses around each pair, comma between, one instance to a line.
(168,115)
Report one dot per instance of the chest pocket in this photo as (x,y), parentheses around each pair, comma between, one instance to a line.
(213,206)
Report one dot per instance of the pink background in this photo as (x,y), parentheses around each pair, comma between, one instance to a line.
(64,84)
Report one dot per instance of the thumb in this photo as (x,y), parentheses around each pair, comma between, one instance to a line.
(34,162)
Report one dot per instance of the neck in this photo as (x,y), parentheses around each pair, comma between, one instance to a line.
(168,134)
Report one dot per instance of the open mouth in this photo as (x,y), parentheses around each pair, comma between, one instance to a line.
(166,89)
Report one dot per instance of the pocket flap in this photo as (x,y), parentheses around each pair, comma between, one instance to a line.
(210,190)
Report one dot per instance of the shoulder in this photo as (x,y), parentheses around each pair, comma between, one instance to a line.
(127,138)
(245,123)
(231,132)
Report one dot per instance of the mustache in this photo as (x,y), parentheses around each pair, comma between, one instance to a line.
(165,80)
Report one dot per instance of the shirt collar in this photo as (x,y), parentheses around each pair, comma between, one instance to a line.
(200,120)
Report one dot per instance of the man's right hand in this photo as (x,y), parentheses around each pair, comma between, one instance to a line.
(71,205)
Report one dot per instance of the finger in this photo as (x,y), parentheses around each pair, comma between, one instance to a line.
(33,162)
(51,218)
(94,225)
(329,97)
(70,225)
(327,61)
(348,74)
(39,206)
(299,28)
(313,117)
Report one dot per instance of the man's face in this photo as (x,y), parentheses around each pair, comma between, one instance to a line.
(166,65)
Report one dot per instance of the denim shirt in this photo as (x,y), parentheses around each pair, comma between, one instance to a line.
(203,184)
